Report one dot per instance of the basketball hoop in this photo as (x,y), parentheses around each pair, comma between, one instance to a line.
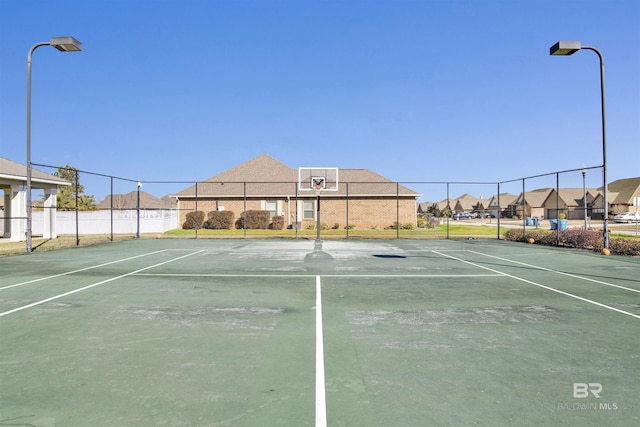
(318,184)
(318,179)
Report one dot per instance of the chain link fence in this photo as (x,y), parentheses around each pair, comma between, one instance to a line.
(96,203)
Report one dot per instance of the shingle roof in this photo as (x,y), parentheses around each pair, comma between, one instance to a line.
(130,201)
(626,190)
(466,202)
(266,176)
(533,198)
(12,171)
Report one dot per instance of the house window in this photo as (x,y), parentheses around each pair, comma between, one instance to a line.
(272,207)
(307,209)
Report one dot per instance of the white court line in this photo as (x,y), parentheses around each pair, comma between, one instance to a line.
(93,285)
(395,276)
(321,404)
(79,270)
(542,286)
(575,276)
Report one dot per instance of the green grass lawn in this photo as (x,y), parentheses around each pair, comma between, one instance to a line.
(456,231)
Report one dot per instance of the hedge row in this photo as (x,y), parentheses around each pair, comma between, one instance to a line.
(576,238)
(223,220)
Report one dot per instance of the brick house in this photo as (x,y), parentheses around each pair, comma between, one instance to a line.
(364,199)
(533,204)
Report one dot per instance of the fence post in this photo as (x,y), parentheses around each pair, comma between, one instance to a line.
(449,213)
(111,208)
(196,212)
(524,214)
(558,208)
(77,222)
(498,211)
(397,210)
(347,201)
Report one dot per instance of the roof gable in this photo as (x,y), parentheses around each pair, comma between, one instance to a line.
(626,190)
(12,171)
(263,168)
(266,176)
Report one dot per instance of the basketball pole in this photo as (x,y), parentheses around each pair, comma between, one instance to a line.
(318,215)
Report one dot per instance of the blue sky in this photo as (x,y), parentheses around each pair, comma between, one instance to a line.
(414,90)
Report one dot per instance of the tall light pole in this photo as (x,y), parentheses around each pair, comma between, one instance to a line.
(584,195)
(63,44)
(569,48)
(138,209)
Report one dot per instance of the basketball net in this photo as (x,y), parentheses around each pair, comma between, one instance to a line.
(318,184)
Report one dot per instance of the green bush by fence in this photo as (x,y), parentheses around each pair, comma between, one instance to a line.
(576,238)
(194,220)
(277,222)
(255,220)
(219,220)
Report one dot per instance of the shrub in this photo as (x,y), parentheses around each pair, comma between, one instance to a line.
(408,226)
(194,220)
(219,220)
(255,220)
(324,226)
(336,226)
(621,246)
(576,238)
(433,222)
(514,235)
(349,227)
(277,222)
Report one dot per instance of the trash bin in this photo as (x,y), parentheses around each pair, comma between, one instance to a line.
(536,221)
(527,221)
(563,224)
(554,224)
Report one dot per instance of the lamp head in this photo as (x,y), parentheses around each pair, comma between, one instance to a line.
(66,44)
(565,48)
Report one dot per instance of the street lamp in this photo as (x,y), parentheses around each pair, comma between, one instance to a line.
(569,48)
(584,195)
(63,44)
(138,208)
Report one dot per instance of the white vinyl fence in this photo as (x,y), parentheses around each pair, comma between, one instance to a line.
(99,222)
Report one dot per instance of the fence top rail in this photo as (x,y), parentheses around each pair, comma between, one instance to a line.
(584,168)
(550,173)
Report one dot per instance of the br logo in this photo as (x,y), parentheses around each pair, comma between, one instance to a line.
(582,390)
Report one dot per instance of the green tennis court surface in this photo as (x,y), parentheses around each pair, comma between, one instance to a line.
(409,333)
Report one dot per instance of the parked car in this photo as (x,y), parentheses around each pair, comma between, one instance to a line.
(461,215)
(483,215)
(627,217)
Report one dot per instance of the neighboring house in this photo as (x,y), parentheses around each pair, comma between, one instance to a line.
(482,205)
(568,201)
(533,205)
(264,183)
(13,181)
(549,203)
(428,208)
(621,194)
(130,201)
(500,209)
(465,203)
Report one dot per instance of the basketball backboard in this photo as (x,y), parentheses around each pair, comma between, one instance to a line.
(318,179)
